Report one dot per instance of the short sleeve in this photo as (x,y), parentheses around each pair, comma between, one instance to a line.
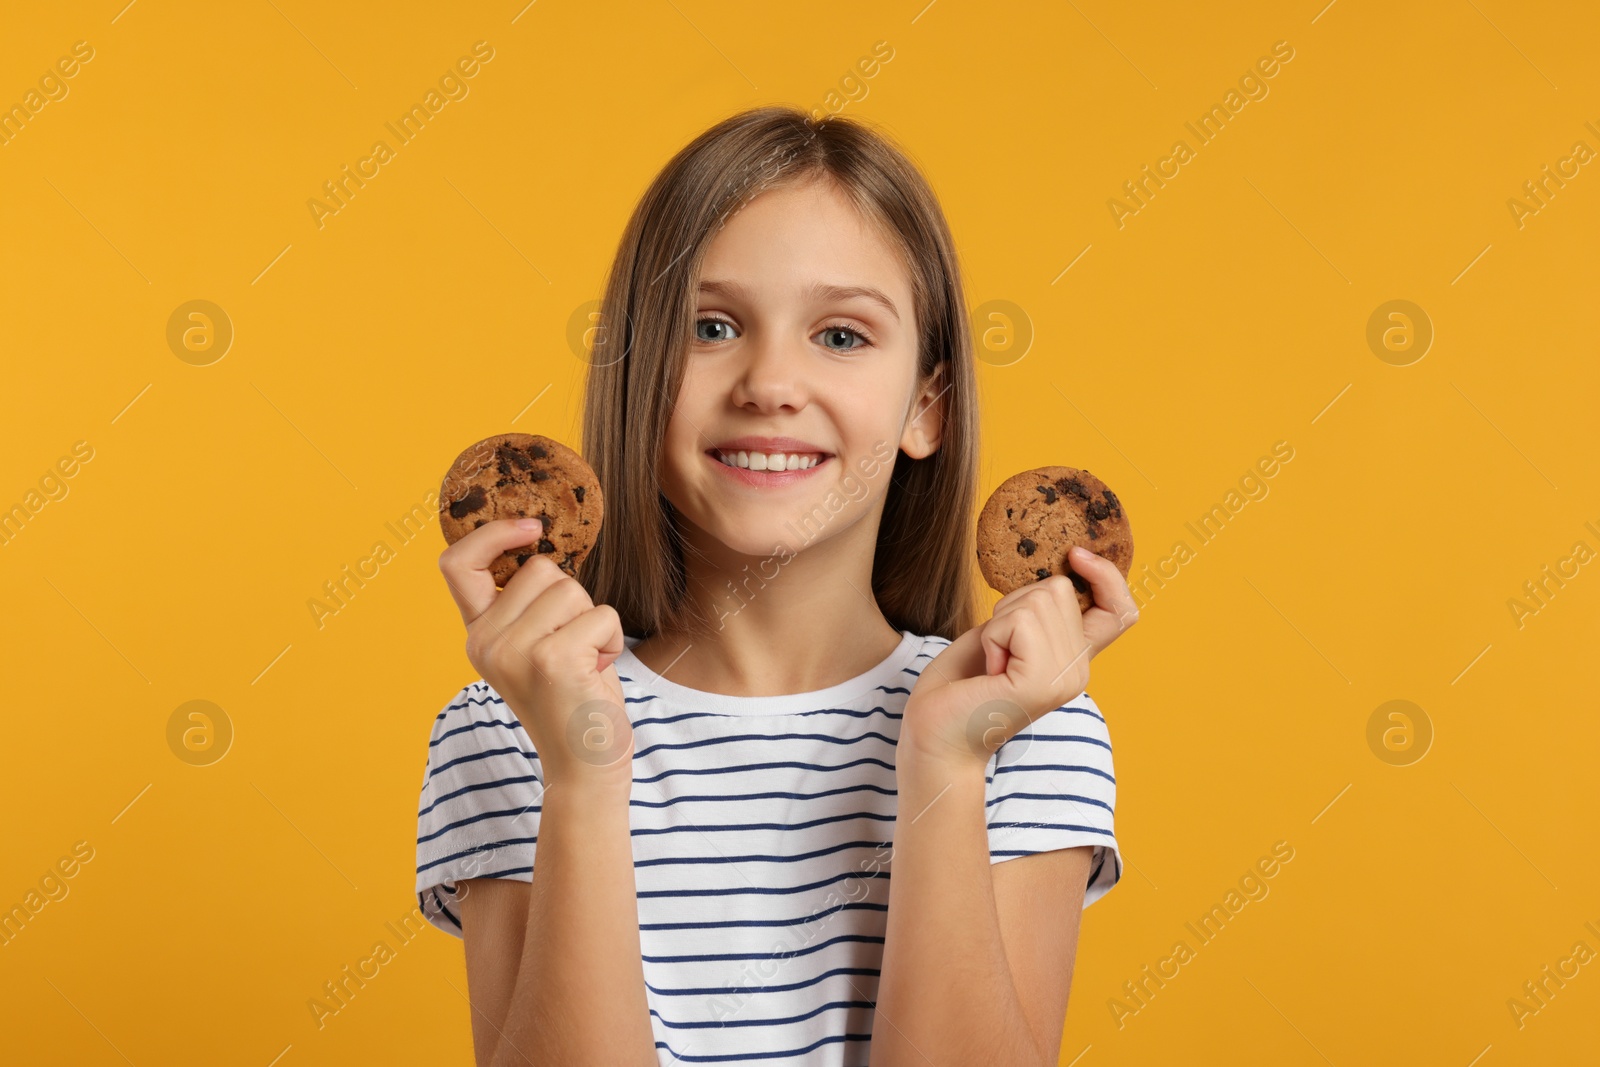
(478,815)
(1052,786)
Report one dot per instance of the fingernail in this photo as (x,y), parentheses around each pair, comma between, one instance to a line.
(1083,553)
(527,524)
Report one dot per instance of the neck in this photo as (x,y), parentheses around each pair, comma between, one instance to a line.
(789,622)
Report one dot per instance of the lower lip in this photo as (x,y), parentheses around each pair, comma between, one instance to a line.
(767,479)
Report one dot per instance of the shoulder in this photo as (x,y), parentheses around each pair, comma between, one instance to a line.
(931,645)
(1053,786)
(475,718)
(1072,736)
(478,810)
(475,722)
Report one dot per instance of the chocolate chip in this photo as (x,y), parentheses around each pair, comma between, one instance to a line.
(578,492)
(473,501)
(546,523)
(1094,532)
(1026,547)
(1114,503)
(1008,513)
(1072,487)
(1049,493)
(545,546)
(538,476)
(523,557)
(1097,510)
(1041,574)
(479,523)
(513,457)
(1078,583)
(537,451)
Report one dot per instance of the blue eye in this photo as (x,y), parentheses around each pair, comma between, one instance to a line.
(698,323)
(840,328)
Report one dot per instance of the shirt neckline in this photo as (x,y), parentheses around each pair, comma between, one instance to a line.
(887,673)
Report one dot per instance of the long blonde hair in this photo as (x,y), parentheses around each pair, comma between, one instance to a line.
(923,572)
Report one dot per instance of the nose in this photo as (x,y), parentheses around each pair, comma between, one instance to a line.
(773,375)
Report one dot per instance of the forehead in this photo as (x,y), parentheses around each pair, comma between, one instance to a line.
(795,238)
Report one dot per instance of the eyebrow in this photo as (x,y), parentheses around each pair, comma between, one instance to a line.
(818,291)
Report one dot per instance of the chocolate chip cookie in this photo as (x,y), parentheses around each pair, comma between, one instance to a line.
(517,475)
(1033,518)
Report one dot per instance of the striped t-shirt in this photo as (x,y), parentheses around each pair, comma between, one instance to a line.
(761,831)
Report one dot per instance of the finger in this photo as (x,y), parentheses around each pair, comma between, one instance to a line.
(1030,660)
(465,564)
(550,601)
(1114,608)
(1061,599)
(595,636)
(525,595)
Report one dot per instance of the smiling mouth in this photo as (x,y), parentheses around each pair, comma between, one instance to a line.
(767,461)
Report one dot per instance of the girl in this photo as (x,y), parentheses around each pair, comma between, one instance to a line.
(771,689)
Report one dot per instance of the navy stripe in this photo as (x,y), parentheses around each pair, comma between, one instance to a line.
(733,826)
(763,859)
(1070,710)
(509,872)
(1047,826)
(1054,767)
(764,796)
(799,714)
(785,1054)
(1070,737)
(763,890)
(765,1022)
(479,818)
(742,767)
(829,738)
(725,956)
(491,846)
(1047,796)
(485,754)
(469,702)
(497,783)
(438,901)
(725,991)
(742,923)
(487,724)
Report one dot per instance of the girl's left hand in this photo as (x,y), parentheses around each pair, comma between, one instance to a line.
(1031,657)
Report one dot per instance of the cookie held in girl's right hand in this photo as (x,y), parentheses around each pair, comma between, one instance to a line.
(1033,518)
(520,475)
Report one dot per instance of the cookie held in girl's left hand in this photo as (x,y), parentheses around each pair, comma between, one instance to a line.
(1033,518)
(521,475)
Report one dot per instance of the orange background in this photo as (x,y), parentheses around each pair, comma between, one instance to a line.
(1229,313)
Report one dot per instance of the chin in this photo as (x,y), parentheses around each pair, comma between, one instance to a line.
(769,538)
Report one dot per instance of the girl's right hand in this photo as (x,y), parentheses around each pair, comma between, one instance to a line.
(548,650)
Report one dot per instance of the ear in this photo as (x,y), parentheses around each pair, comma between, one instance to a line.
(925,427)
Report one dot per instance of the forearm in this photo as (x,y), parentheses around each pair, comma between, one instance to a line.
(579,996)
(946,995)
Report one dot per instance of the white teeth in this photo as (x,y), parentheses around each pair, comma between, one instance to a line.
(773,461)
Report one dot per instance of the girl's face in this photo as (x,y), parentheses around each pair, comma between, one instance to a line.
(804,355)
